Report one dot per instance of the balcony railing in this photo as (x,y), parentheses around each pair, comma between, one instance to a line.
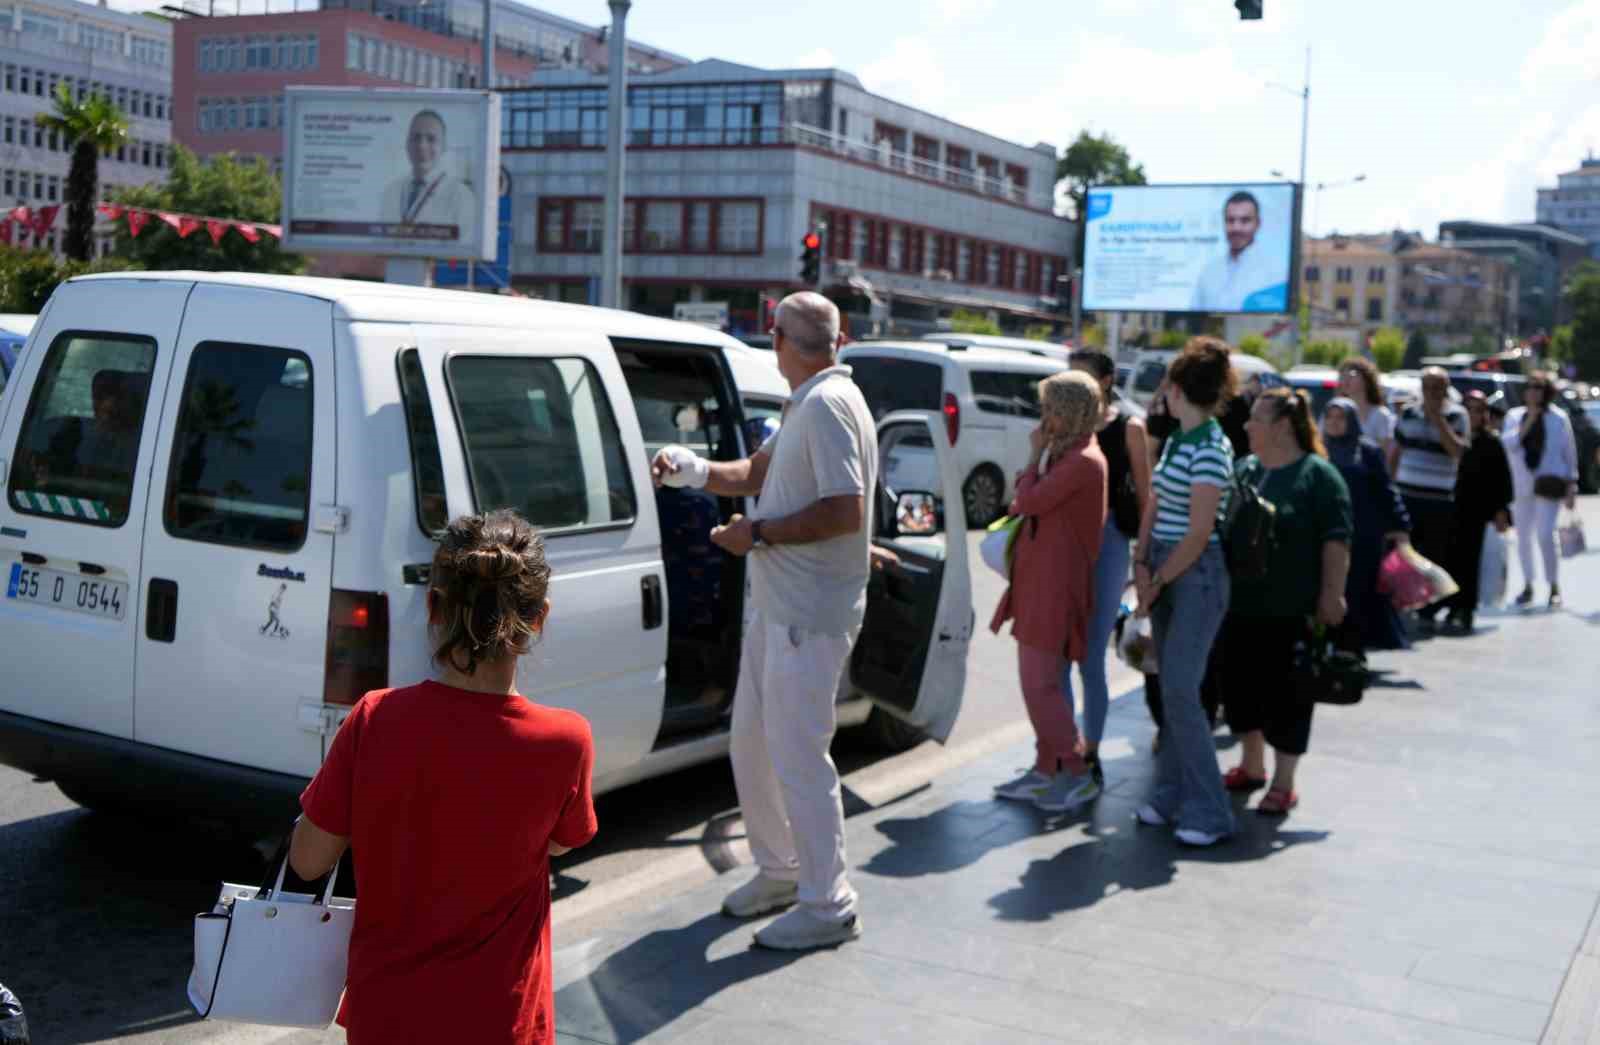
(881,155)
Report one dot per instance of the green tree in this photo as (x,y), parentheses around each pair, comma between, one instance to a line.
(1583,294)
(1325,353)
(1388,348)
(1094,159)
(1416,350)
(1254,345)
(1560,348)
(963,321)
(1043,332)
(1171,340)
(29,277)
(222,187)
(88,127)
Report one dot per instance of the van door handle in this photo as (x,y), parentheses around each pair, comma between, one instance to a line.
(650,589)
(161,614)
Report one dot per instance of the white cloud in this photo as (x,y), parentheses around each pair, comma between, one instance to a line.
(910,71)
(959,10)
(816,58)
(1567,50)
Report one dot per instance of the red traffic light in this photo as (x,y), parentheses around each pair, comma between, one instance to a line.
(812,241)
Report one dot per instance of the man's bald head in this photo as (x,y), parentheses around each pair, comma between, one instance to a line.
(810,322)
(1435,377)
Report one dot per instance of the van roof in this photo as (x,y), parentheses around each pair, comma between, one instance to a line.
(938,351)
(361,300)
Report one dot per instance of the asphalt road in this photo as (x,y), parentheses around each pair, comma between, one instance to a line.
(96,911)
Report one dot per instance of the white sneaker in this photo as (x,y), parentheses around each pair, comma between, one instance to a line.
(1065,792)
(1198,839)
(1024,788)
(1149,816)
(760,895)
(800,930)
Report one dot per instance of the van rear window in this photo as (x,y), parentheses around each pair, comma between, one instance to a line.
(241,458)
(79,444)
(897,384)
(540,437)
(427,469)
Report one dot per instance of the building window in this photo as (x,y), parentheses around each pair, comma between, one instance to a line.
(552,225)
(699,224)
(37,23)
(588,226)
(1343,274)
(663,226)
(992,272)
(1374,310)
(1342,306)
(739,227)
(963,267)
(1375,274)
(897,247)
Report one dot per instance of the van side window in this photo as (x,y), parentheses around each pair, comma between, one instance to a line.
(540,437)
(241,457)
(889,384)
(1007,392)
(427,470)
(79,444)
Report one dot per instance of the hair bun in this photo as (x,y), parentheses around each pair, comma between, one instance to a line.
(494,563)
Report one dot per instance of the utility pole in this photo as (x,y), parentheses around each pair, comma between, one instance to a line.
(1305,133)
(488,49)
(611,263)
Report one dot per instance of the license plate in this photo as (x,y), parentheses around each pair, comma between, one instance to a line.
(67,591)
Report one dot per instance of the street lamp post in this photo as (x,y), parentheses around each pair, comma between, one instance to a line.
(1305,134)
(611,263)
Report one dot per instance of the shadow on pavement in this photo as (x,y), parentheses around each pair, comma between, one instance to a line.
(1106,864)
(658,978)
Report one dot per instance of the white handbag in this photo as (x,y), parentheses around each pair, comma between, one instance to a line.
(1492,568)
(267,956)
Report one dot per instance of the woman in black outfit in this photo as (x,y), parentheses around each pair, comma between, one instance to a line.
(1484,493)
(1380,520)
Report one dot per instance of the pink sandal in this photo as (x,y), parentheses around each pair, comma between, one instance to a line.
(1277,803)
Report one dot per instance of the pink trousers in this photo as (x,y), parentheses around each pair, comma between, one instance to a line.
(1054,727)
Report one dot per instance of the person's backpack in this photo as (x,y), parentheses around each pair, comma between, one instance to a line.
(1248,528)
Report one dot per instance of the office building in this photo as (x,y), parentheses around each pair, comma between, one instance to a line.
(93,50)
(1543,257)
(1574,204)
(729,167)
(1351,285)
(1455,296)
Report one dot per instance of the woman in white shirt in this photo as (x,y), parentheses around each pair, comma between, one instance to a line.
(1544,472)
(1358,382)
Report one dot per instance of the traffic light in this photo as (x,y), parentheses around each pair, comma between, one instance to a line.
(811,259)
(1249,10)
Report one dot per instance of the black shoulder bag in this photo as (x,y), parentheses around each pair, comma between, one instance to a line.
(1247,528)
(1326,674)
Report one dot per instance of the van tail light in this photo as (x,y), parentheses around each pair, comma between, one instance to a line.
(358,646)
(952,416)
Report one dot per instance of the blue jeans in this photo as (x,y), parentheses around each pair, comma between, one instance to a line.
(1185,620)
(1110,580)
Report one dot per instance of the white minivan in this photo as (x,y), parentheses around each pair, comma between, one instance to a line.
(220,496)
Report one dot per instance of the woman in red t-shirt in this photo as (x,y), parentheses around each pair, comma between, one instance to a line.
(454,795)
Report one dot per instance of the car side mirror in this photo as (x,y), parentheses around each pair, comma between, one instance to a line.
(917,514)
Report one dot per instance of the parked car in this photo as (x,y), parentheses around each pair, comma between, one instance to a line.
(14,330)
(258,557)
(1151,367)
(1046,349)
(989,398)
(1320,383)
(1584,414)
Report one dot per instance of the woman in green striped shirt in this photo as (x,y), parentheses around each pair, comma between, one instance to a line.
(1182,583)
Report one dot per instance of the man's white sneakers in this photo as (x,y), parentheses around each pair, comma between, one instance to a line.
(758,896)
(800,930)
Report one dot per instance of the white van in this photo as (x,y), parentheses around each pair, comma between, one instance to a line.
(219,496)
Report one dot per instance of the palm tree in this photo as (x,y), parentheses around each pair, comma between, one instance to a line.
(91,127)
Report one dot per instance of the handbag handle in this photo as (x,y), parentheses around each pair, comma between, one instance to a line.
(282,860)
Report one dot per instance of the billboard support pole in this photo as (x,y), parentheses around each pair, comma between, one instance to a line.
(488,45)
(611,263)
(1077,306)
(1299,211)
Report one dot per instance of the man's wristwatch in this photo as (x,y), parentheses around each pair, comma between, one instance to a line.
(756,540)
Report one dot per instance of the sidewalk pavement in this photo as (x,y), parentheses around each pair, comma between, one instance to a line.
(1438,883)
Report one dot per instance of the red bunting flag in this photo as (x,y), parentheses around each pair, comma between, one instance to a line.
(248,231)
(137,220)
(187,226)
(5,230)
(43,218)
(275,231)
(110,211)
(218,229)
(22,214)
(170,219)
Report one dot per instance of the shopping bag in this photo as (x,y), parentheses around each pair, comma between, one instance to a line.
(1571,536)
(1136,644)
(1412,581)
(262,955)
(1492,568)
(995,548)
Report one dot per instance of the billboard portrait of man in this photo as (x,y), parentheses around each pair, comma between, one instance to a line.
(1248,277)
(429,194)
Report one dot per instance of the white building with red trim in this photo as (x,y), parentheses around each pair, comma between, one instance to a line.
(729,166)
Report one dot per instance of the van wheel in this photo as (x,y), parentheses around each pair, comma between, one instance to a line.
(890,733)
(982,494)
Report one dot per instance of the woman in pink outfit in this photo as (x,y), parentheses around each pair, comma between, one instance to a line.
(1061,498)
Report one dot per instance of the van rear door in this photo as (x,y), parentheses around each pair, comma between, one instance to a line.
(911,655)
(76,451)
(239,535)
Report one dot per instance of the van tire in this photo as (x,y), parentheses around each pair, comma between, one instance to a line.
(983,496)
(890,733)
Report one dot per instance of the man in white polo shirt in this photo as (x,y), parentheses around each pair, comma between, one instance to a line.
(809,547)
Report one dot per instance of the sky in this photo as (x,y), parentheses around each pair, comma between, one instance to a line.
(1450,108)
